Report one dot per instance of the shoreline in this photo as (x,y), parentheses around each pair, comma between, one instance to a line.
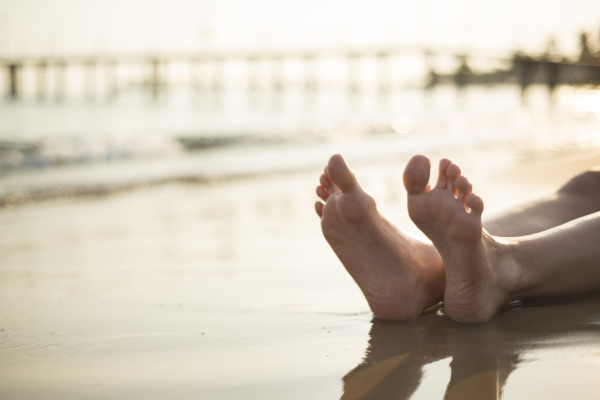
(244,163)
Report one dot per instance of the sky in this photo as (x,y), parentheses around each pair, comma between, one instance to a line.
(51,27)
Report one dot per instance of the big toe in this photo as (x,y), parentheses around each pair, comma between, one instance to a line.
(416,174)
(340,174)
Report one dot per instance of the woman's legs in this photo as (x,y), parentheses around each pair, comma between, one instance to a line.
(580,196)
(400,276)
(484,272)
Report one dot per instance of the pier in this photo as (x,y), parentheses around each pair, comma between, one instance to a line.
(521,69)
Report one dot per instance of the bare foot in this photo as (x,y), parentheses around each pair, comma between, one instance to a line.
(400,276)
(477,268)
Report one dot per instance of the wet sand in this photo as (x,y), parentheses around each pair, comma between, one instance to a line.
(229,291)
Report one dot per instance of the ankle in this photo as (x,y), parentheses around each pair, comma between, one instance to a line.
(510,272)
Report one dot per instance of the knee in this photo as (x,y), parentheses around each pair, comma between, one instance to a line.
(585,184)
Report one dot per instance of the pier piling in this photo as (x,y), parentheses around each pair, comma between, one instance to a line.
(13,80)
(90,79)
(41,80)
(385,79)
(310,73)
(60,80)
(155,79)
(353,66)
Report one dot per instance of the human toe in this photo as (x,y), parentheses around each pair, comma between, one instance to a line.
(340,174)
(416,174)
(319,208)
(475,203)
(442,179)
(464,187)
(452,173)
(322,193)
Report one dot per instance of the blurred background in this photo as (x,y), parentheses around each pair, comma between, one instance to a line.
(100,82)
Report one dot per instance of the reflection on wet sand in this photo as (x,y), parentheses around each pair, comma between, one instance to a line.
(483,356)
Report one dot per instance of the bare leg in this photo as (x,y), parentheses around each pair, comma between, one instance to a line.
(577,198)
(484,272)
(400,276)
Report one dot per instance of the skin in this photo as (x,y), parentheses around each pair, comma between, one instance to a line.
(553,250)
(400,276)
(450,216)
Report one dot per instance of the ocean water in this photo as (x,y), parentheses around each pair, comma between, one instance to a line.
(86,145)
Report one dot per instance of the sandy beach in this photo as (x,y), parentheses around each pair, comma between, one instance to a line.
(227,290)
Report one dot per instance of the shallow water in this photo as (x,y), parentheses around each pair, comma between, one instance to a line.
(227,290)
(189,291)
(543,350)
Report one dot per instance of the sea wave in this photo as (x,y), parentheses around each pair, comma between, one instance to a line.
(252,158)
